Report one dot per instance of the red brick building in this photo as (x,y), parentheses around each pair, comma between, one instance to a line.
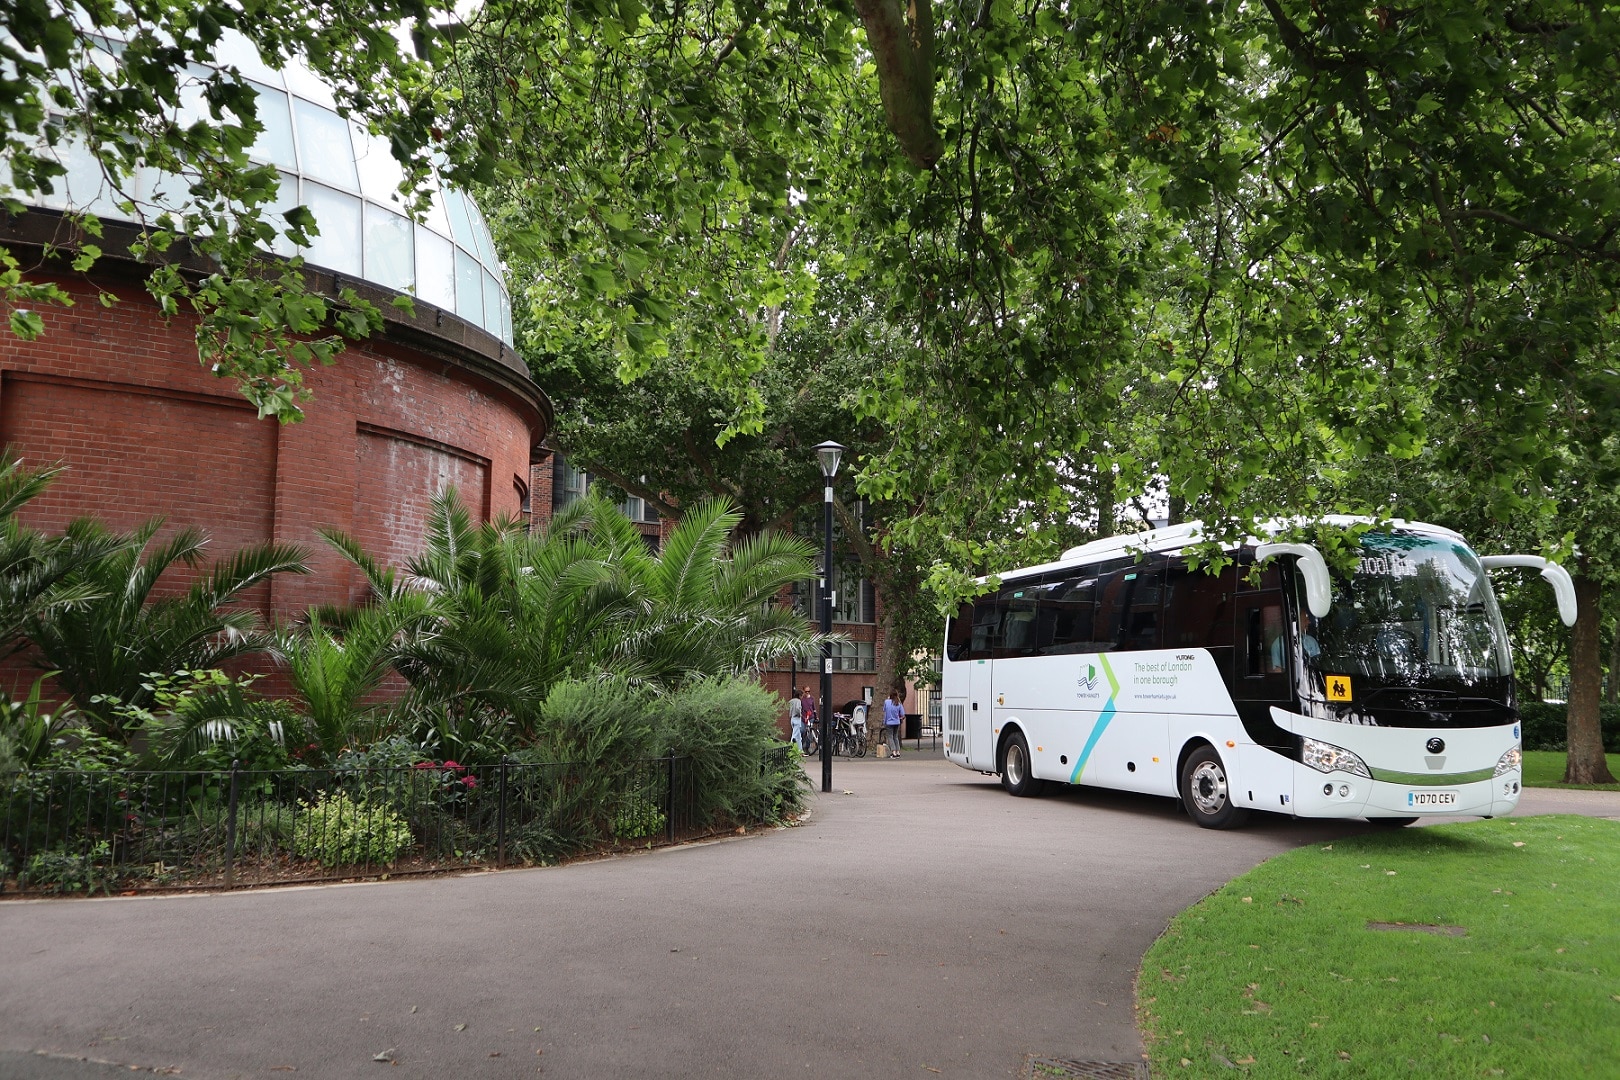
(116,394)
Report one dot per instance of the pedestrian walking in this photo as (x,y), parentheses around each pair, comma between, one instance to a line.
(796,718)
(893,714)
(807,707)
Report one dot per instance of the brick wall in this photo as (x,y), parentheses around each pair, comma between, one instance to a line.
(119,398)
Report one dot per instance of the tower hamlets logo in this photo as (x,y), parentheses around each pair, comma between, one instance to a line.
(1090,680)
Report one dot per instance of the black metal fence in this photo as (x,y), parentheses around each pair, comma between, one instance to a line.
(89,831)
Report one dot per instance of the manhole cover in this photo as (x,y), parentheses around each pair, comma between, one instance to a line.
(1045,1068)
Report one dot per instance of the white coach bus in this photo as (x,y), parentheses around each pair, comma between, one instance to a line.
(1387,694)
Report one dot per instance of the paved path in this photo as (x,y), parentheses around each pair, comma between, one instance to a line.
(922,923)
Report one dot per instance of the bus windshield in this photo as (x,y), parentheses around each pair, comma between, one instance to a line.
(1418,612)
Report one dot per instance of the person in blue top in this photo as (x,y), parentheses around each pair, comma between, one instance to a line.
(893,713)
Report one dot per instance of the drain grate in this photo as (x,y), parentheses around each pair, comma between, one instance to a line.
(1045,1068)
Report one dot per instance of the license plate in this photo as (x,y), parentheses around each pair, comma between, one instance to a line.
(1430,800)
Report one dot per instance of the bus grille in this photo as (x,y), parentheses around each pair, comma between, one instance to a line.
(956,727)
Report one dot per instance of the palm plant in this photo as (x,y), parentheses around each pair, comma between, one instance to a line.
(337,667)
(104,647)
(508,614)
(34,568)
(706,605)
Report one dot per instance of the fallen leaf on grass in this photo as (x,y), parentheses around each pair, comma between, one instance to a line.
(1518,843)
(1248,899)
(1245,1060)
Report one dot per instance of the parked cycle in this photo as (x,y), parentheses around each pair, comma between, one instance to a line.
(812,740)
(849,734)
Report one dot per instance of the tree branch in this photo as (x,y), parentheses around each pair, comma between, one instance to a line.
(901,36)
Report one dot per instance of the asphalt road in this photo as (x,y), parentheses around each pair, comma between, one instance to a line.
(921,923)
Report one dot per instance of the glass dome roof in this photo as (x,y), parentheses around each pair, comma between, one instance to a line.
(347,178)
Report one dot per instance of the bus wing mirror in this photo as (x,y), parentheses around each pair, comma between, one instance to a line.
(1318,587)
(1555,575)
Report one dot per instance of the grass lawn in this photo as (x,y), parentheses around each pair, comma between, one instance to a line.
(1545,768)
(1281,974)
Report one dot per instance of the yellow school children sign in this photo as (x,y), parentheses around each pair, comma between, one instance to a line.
(1338,687)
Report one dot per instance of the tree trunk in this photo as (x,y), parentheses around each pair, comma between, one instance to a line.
(1611,690)
(888,666)
(1106,523)
(1586,764)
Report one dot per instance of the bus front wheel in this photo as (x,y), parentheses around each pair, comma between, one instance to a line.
(1016,776)
(1204,791)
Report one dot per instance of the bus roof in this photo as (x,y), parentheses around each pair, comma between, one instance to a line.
(1174,538)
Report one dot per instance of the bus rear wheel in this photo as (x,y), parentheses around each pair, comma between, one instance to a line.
(1204,791)
(1016,776)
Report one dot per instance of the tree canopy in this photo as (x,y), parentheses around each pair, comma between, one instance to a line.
(1232,246)
(139,85)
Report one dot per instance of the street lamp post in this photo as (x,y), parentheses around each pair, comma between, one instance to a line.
(829,453)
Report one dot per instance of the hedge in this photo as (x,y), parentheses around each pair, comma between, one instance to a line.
(1546,726)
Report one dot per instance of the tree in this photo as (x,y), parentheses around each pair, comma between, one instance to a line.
(134,85)
(1306,189)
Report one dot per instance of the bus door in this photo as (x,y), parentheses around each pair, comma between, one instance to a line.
(987,636)
(1262,657)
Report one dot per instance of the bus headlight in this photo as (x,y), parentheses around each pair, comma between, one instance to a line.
(1325,757)
(1511,761)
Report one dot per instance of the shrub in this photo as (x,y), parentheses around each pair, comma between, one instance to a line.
(727,727)
(337,831)
(638,815)
(71,872)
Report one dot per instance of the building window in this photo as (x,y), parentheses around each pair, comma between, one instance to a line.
(855,601)
(854,656)
(568,483)
(639,510)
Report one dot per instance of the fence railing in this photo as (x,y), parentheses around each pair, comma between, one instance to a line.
(94,831)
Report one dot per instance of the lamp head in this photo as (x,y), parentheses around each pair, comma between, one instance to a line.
(829,453)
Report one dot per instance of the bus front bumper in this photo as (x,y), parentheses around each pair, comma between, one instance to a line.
(1344,795)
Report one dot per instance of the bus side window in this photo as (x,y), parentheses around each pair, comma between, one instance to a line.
(1141,626)
(959,634)
(1198,610)
(1067,617)
(1017,629)
(986,628)
(1112,590)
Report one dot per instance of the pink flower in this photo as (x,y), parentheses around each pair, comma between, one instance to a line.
(451,765)
(424,765)
(469,781)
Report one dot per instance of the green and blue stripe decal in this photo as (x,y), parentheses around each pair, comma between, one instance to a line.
(1101,725)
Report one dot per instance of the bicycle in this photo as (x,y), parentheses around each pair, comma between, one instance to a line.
(812,740)
(849,737)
